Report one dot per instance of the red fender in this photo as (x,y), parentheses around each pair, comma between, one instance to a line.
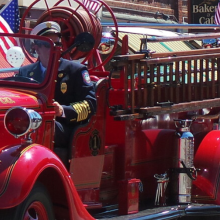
(20,167)
(207,159)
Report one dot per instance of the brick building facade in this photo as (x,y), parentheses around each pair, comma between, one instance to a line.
(174,10)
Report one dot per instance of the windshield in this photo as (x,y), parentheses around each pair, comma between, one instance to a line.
(24,59)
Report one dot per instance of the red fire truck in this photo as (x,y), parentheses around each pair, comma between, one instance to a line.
(152,149)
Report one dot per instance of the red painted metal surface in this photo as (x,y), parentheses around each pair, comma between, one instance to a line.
(129,196)
(206,186)
(10,98)
(23,165)
(124,146)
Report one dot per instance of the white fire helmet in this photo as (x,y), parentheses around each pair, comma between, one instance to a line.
(46,28)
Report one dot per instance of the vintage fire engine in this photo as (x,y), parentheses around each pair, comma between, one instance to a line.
(152,149)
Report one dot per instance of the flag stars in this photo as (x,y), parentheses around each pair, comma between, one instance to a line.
(11,15)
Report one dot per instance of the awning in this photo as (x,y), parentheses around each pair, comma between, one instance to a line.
(161,47)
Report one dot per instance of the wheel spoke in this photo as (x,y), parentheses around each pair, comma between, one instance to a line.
(36,211)
(29,217)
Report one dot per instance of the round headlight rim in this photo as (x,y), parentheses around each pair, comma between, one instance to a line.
(29,126)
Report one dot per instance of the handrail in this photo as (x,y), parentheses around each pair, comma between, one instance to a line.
(186,83)
(7,70)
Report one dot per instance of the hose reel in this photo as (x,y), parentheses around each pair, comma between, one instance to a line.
(72,23)
(75,18)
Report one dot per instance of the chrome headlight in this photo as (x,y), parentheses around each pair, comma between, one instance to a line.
(19,121)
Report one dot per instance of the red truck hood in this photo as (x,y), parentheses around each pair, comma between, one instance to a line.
(10,98)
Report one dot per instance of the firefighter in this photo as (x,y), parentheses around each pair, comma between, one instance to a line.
(75,100)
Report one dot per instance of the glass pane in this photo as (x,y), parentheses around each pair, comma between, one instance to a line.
(20,59)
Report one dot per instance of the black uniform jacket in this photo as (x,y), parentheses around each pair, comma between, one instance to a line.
(74,90)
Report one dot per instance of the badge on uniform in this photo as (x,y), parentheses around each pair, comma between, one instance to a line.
(60,75)
(86,77)
(31,74)
(63,87)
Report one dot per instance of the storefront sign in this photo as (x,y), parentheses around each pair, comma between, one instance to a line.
(202,11)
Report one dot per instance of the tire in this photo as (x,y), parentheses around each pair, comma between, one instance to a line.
(36,206)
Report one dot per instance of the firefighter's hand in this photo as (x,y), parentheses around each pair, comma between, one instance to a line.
(58,109)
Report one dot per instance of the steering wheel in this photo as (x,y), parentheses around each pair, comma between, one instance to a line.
(21,79)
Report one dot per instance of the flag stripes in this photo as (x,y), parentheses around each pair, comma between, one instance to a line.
(7,42)
(217,14)
(92,5)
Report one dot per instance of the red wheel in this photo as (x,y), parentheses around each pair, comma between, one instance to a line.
(36,210)
(37,206)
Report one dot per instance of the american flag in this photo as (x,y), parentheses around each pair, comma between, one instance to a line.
(9,23)
(92,5)
(217,14)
